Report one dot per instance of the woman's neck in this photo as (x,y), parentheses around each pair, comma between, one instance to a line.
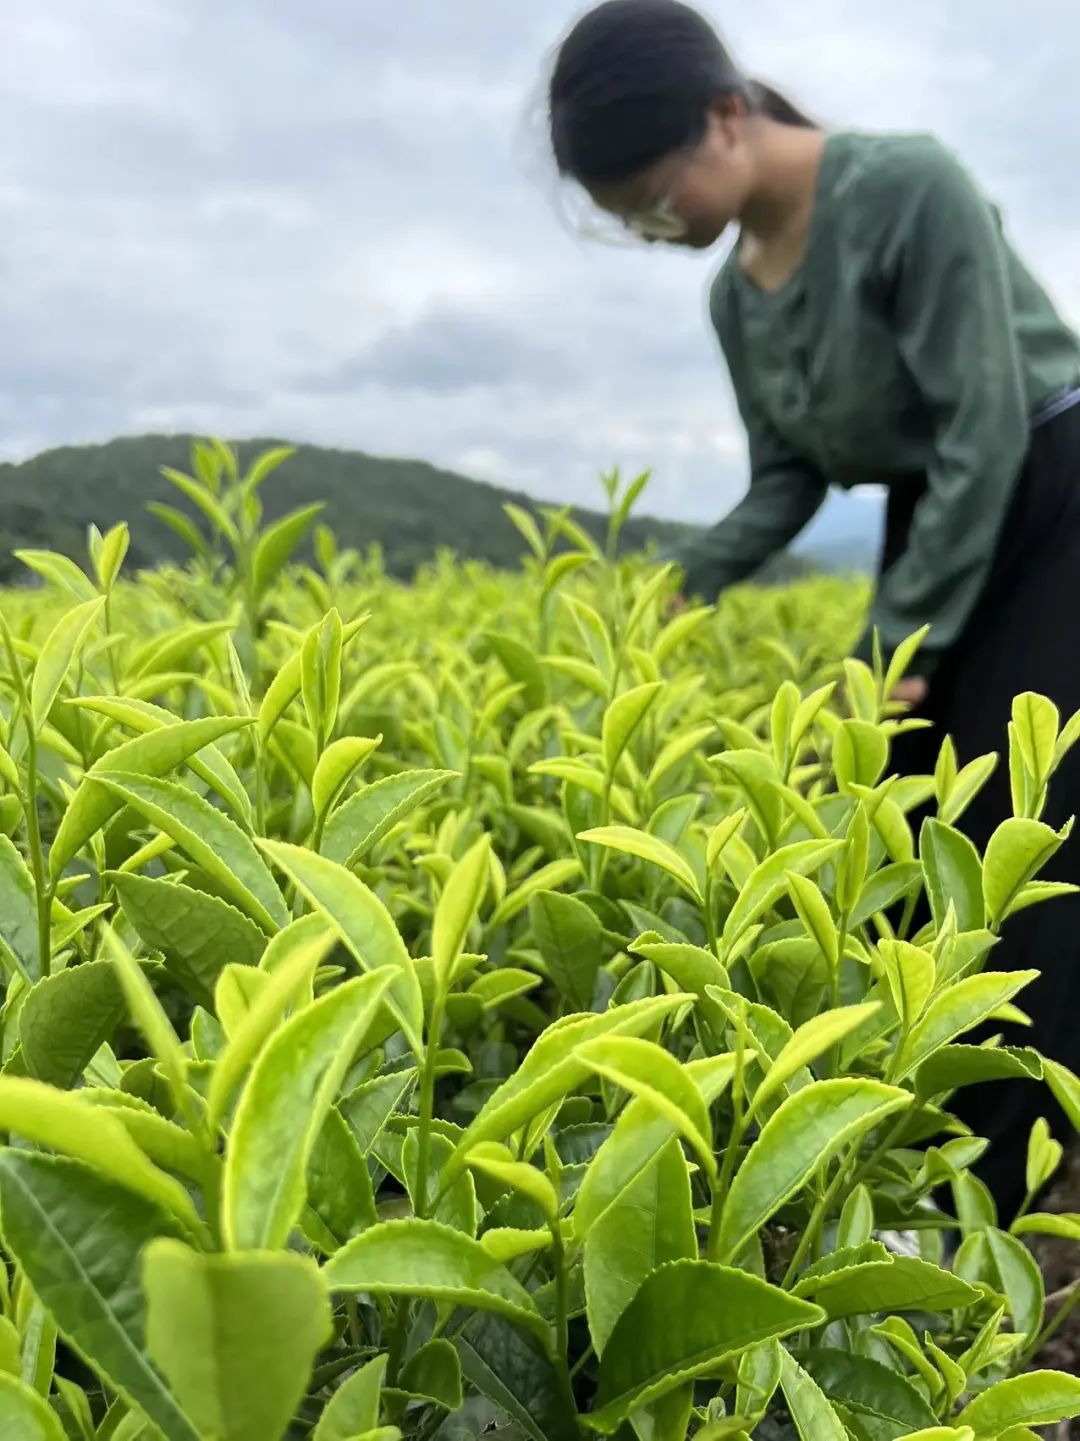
(775,221)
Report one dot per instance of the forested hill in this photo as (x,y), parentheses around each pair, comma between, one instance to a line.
(409,507)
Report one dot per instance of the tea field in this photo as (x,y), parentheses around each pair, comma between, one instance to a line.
(505,1004)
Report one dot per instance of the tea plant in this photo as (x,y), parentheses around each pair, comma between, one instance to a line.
(492,1005)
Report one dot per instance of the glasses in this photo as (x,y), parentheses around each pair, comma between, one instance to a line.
(644,228)
(630,228)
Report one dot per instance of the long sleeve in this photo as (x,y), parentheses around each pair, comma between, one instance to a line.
(783,497)
(956,333)
(785,490)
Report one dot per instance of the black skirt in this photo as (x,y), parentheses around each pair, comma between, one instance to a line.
(1022,637)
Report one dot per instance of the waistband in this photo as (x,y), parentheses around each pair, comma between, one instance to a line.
(1057,405)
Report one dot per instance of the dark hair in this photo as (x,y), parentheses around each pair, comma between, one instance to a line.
(634,80)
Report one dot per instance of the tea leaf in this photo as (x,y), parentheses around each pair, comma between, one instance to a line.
(649,1224)
(808,1129)
(66,1018)
(958,1009)
(903,1283)
(214,842)
(1016,852)
(569,937)
(363,923)
(303,946)
(553,1068)
(814,1417)
(276,545)
(25,1415)
(64,1122)
(198,934)
(282,1107)
(426,1258)
(953,875)
(58,655)
(78,1237)
(810,1042)
(647,848)
(236,1336)
(153,754)
(622,718)
(353,1410)
(648,1071)
(685,1317)
(640,1134)
(1038,1399)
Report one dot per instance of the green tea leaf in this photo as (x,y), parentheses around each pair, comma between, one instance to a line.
(78,1237)
(810,1042)
(277,543)
(568,935)
(806,1131)
(236,1336)
(153,754)
(1016,852)
(461,899)
(648,1071)
(282,1108)
(647,848)
(953,875)
(66,1018)
(24,1415)
(552,1069)
(426,1258)
(363,923)
(213,841)
(302,947)
(902,1284)
(18,912)
(65,1123)
(650,1224)
(337,764)
(622,718)
(198,934)
(1040,1398)
(957,1009)
(769,882)
(814,1417)
(58,655)
(353,1409)
(684,1318)
(640,1134)
(434,1374)
(869,1389)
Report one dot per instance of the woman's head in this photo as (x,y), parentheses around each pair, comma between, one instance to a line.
(651,116)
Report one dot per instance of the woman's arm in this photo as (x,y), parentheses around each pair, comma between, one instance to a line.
(784,495)
(785,491)
(952,312)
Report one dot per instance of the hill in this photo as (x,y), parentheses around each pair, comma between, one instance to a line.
(408,507)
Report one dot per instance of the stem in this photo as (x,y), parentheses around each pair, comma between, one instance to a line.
(710,919)
(562,1316)
(834,1056)
(114,674)
(427,1107)
(1051,1329)
(727,1170)
(42,889)
(818,1217)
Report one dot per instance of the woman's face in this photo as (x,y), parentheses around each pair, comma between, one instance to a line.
(688,198)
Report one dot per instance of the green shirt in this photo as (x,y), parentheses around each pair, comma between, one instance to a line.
(911,342)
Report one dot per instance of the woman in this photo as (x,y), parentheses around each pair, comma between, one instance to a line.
(878,329)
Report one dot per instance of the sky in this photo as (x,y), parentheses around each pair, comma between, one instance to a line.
(333,221)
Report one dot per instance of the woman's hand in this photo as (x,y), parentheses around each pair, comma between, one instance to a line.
(674,605)
(911,691)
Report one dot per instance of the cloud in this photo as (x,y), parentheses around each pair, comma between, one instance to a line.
(330,220)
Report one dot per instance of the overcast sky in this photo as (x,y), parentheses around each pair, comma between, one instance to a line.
(325,220)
